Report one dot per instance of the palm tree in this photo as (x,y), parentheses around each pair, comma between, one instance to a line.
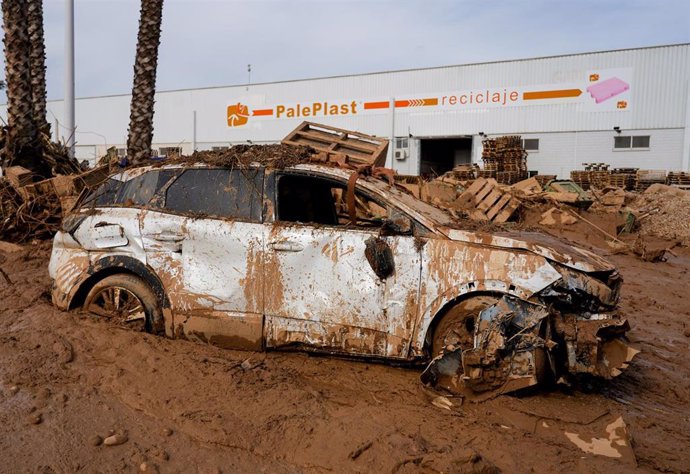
(37,64)
(144,88)
(21,142)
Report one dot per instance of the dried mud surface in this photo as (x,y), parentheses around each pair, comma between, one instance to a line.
(66,378)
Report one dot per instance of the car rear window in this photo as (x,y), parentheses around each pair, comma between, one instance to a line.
(218,192)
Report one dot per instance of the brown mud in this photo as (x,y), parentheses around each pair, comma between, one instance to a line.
(68,381)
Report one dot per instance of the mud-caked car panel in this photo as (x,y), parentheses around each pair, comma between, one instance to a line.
(314,258)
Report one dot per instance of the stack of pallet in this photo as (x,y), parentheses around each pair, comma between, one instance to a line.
(679,179)
(596,166)
(581,178)
(623,178)
(645,178)
(504,159)
(465,172)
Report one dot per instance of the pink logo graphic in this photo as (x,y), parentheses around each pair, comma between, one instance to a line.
(604,90)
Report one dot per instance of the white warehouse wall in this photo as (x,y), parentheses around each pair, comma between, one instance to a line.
(559,153)
(657,100)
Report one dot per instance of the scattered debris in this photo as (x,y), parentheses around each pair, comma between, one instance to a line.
(116,439)
(358,452)
(555,216)
(442,402)
(485,201)
(616,444)
(36,419)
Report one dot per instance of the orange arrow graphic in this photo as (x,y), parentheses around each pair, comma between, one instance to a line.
(402,103)
(259,112)
(557,94)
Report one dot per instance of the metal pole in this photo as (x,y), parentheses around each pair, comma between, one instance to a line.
(390,160)
(69,75)
(194,131)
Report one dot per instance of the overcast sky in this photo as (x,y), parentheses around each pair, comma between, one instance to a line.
(209,43)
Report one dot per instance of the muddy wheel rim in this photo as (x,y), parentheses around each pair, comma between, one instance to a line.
(120,306)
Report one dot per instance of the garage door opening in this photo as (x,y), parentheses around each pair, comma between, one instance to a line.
(438,155)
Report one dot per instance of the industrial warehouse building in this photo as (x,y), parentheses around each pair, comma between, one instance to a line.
(627,108)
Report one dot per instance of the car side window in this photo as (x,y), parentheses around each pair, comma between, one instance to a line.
(138,191)
(235,193)
(315,200)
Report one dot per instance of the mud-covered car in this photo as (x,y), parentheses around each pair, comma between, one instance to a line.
(321,258)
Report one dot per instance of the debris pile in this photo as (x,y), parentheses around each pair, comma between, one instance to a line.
(664,211)
(32,208)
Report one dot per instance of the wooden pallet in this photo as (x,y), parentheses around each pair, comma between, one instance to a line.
(358,148)
(486,202)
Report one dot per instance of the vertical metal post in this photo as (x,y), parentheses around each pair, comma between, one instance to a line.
(390,159)
(194,131)
(69,76)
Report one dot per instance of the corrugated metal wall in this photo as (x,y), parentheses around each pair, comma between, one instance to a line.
(658,95)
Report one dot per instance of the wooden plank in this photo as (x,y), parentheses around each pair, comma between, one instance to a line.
(479,197)
(489,200)
(500,204)
(467,197)
(507,211)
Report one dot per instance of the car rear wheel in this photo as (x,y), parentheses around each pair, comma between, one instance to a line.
(457,326)
(124,300)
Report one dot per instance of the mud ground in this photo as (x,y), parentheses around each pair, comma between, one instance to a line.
(67,379)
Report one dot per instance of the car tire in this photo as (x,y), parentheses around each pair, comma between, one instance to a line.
(456,327)
(127,301)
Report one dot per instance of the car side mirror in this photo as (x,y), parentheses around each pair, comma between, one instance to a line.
(380,257)
(400,225)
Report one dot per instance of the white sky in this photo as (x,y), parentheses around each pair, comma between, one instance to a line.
(207,43)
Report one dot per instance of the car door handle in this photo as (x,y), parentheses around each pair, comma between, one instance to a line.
(168,237)
(286,246)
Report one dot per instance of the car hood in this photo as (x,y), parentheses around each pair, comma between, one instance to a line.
(547,246)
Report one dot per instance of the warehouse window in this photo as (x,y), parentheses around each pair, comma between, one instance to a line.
(530,144)
(170,151)
(627,142)
(401,143)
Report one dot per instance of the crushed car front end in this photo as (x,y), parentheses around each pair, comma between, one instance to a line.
(571,327)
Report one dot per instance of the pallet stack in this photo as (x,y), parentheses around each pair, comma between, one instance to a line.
(581,178)
(645,178)
(504,159)
(679,179)
(465,172)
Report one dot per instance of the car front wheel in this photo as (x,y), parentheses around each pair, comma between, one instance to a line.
(457,326)
(124,300)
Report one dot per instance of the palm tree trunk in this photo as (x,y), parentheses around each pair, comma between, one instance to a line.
(21,145)
(37,64)
(144,88)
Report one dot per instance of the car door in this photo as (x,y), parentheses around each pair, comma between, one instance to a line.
(320,290)
(205,240)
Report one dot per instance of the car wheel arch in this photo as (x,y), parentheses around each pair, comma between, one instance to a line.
(433,312)
(118,264)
